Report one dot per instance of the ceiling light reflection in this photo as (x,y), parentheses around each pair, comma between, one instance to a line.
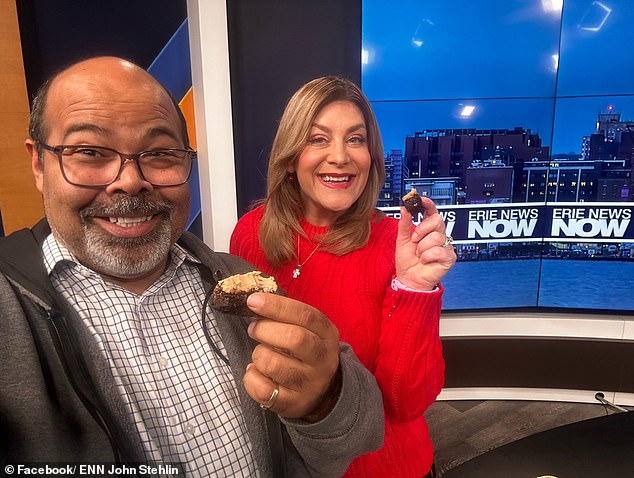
(365,57)
(553,6)
(417,37)
(467,111)
(595,17)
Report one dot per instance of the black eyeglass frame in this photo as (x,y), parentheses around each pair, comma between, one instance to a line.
(191,154)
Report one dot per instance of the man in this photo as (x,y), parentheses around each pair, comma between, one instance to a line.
(109,351)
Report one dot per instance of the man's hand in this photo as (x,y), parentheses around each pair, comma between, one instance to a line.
(297,354)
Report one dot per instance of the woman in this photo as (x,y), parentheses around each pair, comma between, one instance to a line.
(319,234)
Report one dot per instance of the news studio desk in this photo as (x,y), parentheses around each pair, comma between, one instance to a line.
(597,448)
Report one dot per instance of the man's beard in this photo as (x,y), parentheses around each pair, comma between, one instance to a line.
(127,257)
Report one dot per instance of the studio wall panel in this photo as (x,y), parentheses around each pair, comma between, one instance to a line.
(20,203)
(37,39)
(275,46)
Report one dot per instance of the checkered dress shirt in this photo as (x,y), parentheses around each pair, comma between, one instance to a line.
(180,394)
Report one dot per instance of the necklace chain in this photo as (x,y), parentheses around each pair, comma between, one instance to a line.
(298,270)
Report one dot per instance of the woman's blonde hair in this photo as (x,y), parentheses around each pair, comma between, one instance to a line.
(283,208)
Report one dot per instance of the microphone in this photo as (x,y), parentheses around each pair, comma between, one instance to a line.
(599,396)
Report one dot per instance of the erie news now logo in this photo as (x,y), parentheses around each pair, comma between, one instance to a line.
(590,222)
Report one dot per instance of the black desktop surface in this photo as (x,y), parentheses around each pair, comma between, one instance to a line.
(601,447)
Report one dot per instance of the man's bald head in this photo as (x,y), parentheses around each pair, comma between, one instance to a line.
(96,72)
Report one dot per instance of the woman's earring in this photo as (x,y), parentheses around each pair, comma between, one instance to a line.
(291,177)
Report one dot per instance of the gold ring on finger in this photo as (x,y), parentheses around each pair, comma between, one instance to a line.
(272,399)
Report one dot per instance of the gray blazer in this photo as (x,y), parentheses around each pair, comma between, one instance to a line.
(59,403)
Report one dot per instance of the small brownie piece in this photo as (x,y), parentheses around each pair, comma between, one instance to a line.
(413,202)
(230,294)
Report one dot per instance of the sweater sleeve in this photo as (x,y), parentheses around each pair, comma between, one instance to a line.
(409,364)
(410,367)
(354,426)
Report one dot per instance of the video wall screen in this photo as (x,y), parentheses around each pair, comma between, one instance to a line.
(517,118)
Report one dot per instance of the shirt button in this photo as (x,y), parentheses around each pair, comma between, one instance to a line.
(163,362)
(190,429)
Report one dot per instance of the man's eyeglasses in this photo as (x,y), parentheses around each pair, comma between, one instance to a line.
(96,166)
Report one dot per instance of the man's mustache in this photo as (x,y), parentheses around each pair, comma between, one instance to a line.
(127,205)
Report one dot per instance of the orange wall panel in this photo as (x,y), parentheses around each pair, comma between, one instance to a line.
(20,201)
(187,107)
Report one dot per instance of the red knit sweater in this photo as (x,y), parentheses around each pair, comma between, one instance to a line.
(394,333)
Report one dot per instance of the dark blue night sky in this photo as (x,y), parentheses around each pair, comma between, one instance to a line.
(424,61)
